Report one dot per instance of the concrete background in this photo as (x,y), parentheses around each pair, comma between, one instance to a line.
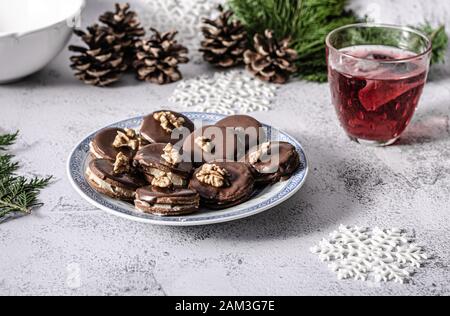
(68,247)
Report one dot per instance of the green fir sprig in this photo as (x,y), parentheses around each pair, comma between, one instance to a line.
(8,140)
(308,22)
(17,193)
(439,38)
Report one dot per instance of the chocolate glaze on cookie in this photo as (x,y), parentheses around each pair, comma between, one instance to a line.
(281,162)
(101,176)
(150,161)
(152,131)
(222,141)
(254,132)
(239,188)
(150,156)
(167,201)
(102,145)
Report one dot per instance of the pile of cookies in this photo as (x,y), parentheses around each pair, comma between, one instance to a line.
(170,168)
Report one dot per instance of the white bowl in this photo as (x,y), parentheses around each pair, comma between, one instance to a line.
(32,33)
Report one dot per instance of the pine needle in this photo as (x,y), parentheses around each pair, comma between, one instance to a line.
(8,140)
(440,42)
(308,22)
(17,193)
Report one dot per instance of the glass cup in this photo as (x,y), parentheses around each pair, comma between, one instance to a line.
(377,74)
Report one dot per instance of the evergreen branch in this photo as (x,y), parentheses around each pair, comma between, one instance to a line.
(7,140)
(7,167)
(21,194)
(308,22)
(17,193)
(439,39)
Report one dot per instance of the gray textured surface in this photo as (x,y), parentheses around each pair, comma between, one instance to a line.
(405,186)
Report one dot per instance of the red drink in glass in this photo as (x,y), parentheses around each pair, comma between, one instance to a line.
(376,88)
(376,101)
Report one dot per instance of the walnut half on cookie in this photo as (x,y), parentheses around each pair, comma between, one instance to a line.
(127,139)
(223,184)
(163,181)
(169,121)
(163,126)
(171,155)
(205,144)
(213,175)
(122,164)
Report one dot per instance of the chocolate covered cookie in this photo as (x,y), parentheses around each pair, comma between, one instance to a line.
(250,131)
(166,127)
(273,161)
(167,201)
(223,184)
(164,165)
(108,178)
(211,143)
(109,142)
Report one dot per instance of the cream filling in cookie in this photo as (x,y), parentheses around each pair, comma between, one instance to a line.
(174,208)
(108,187)
(94,152)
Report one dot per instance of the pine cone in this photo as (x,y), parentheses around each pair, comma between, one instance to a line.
(225,40)
(125,25)
(101,63)
(272,60)
(157,58)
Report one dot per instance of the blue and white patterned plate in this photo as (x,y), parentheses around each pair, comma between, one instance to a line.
(263,200)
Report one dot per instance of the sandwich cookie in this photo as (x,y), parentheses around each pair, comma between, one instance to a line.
(249,130)
(103,178)
(211,143)
(109,142)
(167,201)
(166,127)
(163,165)
(272,162)
(223,184)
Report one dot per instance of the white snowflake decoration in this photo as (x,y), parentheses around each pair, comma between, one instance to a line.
(226,93)
(185,16)
(359,253)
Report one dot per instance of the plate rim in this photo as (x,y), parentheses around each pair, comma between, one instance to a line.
(200,222)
